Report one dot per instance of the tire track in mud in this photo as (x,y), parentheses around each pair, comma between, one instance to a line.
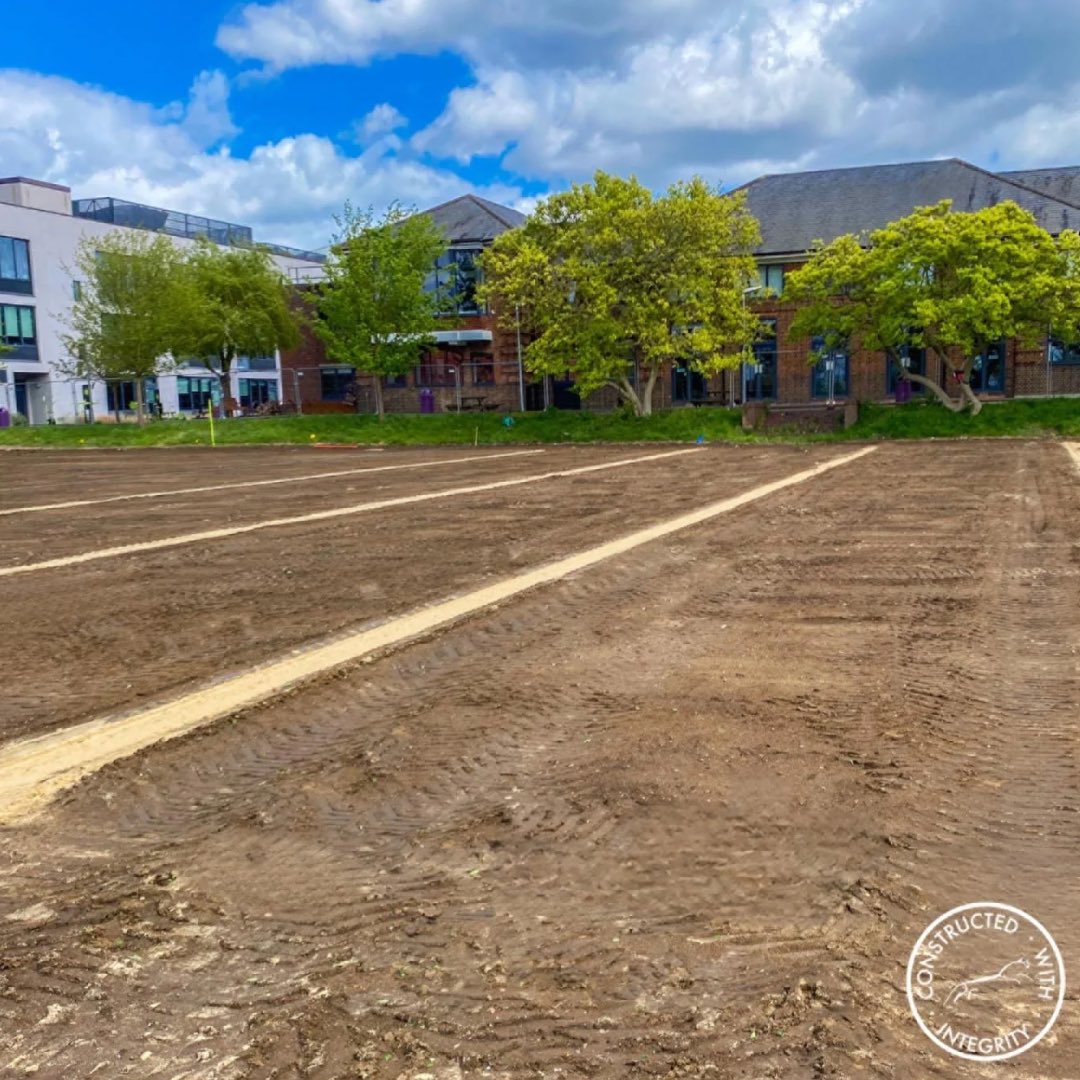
(683,815)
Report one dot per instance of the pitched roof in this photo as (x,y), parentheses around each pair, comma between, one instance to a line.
(797,209)
(1060,183)
(471,219)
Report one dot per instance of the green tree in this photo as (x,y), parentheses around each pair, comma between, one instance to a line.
(374,310)
(238,304)
(129,311)
(950,282)
(611,282)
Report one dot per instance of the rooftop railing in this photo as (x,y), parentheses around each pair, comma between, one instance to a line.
(188,226)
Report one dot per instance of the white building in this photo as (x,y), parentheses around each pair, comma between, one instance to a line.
(40,232)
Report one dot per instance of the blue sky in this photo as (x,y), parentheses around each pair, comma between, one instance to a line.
(273,114)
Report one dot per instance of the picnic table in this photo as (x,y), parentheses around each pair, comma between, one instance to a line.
(476,403)
(711,397)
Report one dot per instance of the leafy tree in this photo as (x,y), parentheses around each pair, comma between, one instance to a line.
(130,309)
(374,310)
(613,281)
(950,282)
(237,304)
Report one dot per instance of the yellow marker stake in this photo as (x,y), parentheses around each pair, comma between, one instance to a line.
(213,440)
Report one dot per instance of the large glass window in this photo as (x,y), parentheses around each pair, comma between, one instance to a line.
(17,325)
(455,277)
(256,392)
(988,370)
(337,382)
(772,278)
(438,369)
(256,363)
(121,396)
(193,394)
(687,384)
(829,376)
(916,363)
(1062,353)
(759,378)
(15,265)
(482,366)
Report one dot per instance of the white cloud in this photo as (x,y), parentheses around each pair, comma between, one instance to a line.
(382,120)
(664,87)
(103,144)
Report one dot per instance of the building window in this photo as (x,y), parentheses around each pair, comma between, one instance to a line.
(256,363)
(455,278)
(687,384)
(437,369)
(121,396)
(916,364)
(483,369)
(15,265)
(337,382)
(772,278)
(256,392)
(193,395)
(396,382)
(988,370)
(1063,354)
(759,378)
(829,376)
(17,325)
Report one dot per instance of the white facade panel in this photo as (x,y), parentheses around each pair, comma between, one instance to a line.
(39,388)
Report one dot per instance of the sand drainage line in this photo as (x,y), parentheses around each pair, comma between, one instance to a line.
(34,769)
(323,515)
(262,483)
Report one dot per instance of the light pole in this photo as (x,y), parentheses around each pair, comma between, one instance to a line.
(296,389)
(457,385)
(521,365)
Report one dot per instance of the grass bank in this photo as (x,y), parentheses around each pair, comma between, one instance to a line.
(918,420)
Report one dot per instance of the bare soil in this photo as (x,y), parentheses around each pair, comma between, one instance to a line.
(683,815)
(110,635)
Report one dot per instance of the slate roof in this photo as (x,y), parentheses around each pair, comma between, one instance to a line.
(1062,183)
(797,209)
(471,219)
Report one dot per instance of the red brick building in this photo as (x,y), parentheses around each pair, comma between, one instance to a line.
(475,363)
(798,209)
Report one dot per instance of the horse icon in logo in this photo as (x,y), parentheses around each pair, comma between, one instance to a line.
(1010,973)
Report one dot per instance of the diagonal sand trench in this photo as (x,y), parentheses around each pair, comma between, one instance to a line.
(264,483)
(325,515)
(33,770)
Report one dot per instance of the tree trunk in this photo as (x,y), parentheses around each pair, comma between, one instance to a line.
(225,381)
(379,407)
(628,394)
(140,411)
(646,397)
(972,400)
(950,403)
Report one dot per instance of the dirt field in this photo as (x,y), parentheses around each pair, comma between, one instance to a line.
(682,814)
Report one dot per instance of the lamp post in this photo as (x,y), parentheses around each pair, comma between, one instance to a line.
(457,385)
(521,365)
(296,389)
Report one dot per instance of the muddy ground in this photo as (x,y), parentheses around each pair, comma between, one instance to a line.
(681,815)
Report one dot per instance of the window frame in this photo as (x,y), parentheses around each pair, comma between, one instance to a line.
(815,373)
(18,286)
